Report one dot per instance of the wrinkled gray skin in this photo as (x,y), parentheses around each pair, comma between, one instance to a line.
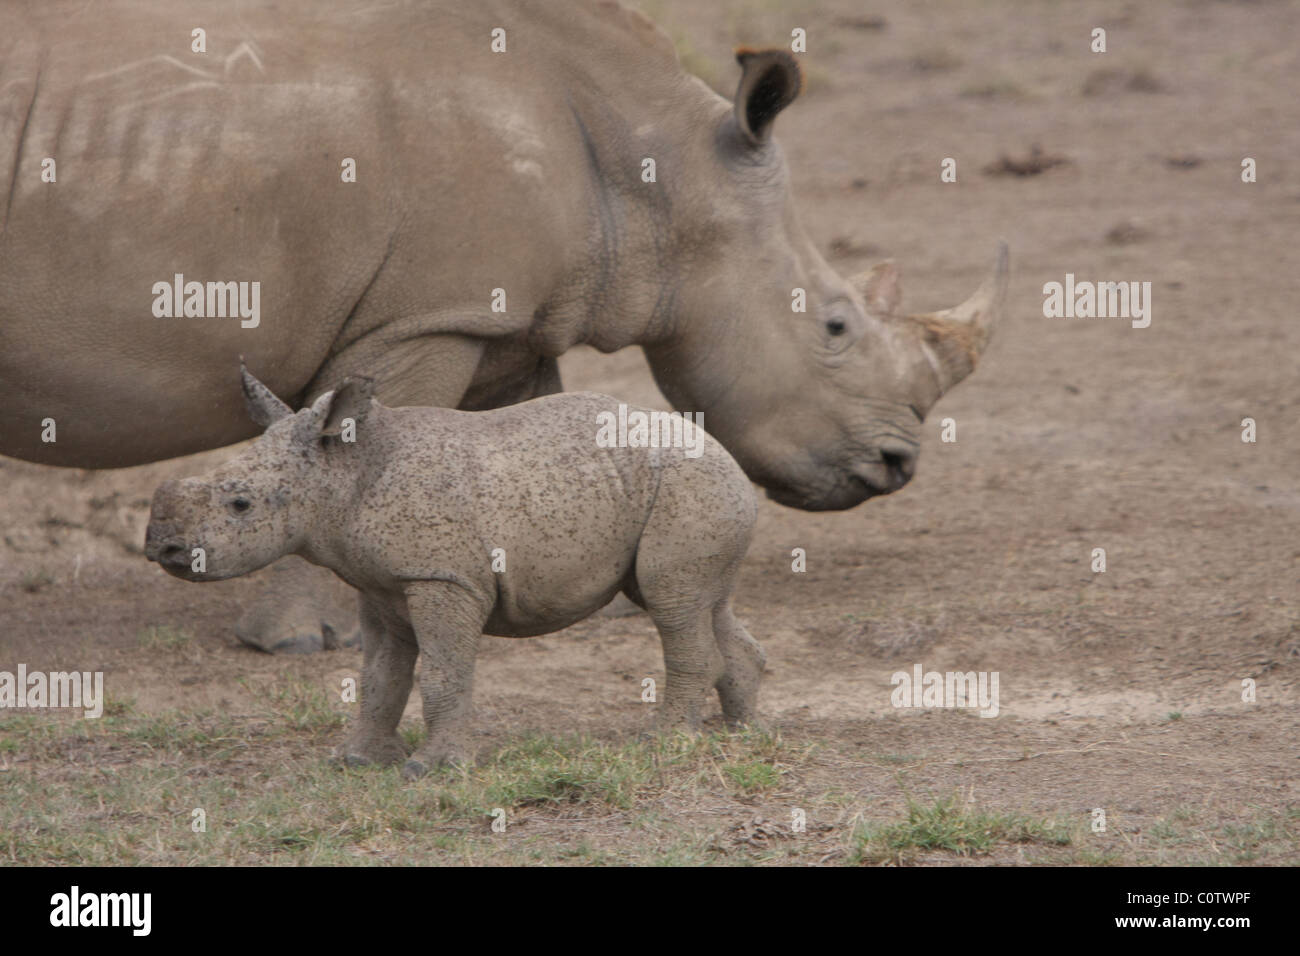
(411,512)
(476,171)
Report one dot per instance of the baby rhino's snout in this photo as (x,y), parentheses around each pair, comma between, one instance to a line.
(164,539)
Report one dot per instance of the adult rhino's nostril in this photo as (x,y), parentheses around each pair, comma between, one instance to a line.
(901,466)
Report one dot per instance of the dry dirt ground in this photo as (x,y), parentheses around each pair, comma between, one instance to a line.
(1119,690)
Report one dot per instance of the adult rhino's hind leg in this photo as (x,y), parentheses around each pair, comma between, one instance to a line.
(387,672)
(302,609)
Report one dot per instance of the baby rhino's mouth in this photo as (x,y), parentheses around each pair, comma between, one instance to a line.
(164,546)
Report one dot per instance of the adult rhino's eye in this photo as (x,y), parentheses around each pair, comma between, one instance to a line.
(836,326)
(239,506)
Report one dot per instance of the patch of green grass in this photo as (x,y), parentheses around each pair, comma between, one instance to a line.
(553,771)
(24,731)
(1168,832)
(1174,715)
(751,778)
(550,772)
(123,790)
(1185,836)
(687,852)
(115,706)
(1244,840)
(584,853)
(1090,856)
(954,827)
(304,705)
(176,731)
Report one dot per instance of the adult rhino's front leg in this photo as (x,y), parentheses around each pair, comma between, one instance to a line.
(301,609)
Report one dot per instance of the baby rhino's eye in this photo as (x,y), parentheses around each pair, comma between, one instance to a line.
(239,506)
(835,326)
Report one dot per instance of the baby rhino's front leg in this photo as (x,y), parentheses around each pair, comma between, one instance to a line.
(448,621)
(387,669)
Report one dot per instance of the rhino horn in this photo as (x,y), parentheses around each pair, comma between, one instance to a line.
(881,287)
(955,338)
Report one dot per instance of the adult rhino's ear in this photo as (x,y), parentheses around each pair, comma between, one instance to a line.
(263,407)
(351,399)
(769,82)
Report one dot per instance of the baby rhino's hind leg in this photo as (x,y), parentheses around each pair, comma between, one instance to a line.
(743,662)
(691,661)
(686,564)
(448,620)
(678,591)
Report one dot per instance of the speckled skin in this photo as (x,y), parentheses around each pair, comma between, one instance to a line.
(412,511)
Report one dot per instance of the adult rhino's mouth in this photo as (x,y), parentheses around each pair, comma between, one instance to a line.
(853,484)
(846,493)
(843,498)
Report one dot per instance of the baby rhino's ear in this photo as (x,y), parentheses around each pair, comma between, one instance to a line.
(351,400)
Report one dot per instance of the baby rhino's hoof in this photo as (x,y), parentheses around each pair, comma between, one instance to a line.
(424,760)
(368,754)
(414,770)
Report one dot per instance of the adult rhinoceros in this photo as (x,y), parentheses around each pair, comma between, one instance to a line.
(500,214)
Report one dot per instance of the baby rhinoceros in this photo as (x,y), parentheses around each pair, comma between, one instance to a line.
(512,522)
